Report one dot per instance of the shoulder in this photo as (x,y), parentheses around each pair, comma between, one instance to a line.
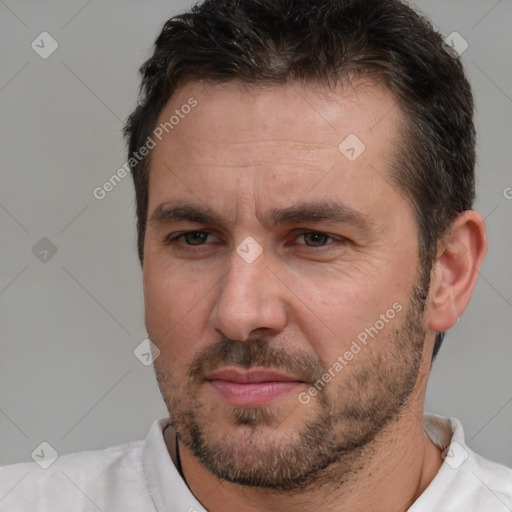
(74,480)
(466,481)
(491,482)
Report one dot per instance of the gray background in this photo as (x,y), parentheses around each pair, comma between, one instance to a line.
(68,326)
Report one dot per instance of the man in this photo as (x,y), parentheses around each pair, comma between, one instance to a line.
(304,176)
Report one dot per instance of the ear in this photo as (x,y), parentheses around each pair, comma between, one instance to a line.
(459,259)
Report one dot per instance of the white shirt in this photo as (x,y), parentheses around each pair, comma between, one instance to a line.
(142,477)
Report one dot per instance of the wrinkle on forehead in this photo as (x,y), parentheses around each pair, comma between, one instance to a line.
(288,124)
(254,153)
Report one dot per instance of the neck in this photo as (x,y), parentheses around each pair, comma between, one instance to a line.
(389,474)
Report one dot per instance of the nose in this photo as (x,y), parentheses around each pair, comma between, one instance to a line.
(249,298)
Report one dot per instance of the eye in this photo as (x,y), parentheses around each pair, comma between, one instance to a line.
(315,238)
(191,237)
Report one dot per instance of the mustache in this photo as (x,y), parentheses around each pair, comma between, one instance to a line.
(256,352)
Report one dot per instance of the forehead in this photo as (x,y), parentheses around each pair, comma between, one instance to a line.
(305,118)
(280,141)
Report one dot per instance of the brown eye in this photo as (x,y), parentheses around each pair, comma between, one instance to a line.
(314,239)
(194,237)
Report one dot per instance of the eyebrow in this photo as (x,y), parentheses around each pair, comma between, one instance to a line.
(303,212)
(166,213)
(324,211)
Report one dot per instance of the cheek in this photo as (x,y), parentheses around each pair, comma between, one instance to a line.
(340,308)
(175,307)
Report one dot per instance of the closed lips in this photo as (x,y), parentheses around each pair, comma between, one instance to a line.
(250,377)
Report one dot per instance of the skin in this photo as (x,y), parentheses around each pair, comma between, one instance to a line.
(241,153)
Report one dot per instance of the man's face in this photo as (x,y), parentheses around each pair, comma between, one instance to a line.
(276,258)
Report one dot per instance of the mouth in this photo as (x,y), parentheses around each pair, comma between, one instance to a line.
(251,388)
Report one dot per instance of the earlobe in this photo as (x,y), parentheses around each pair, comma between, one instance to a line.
(460,256)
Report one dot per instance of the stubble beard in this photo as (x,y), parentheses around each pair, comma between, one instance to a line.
(346,417)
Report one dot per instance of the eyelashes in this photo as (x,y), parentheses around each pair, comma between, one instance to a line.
(200,238)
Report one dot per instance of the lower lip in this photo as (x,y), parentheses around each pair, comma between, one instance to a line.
(255,394)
